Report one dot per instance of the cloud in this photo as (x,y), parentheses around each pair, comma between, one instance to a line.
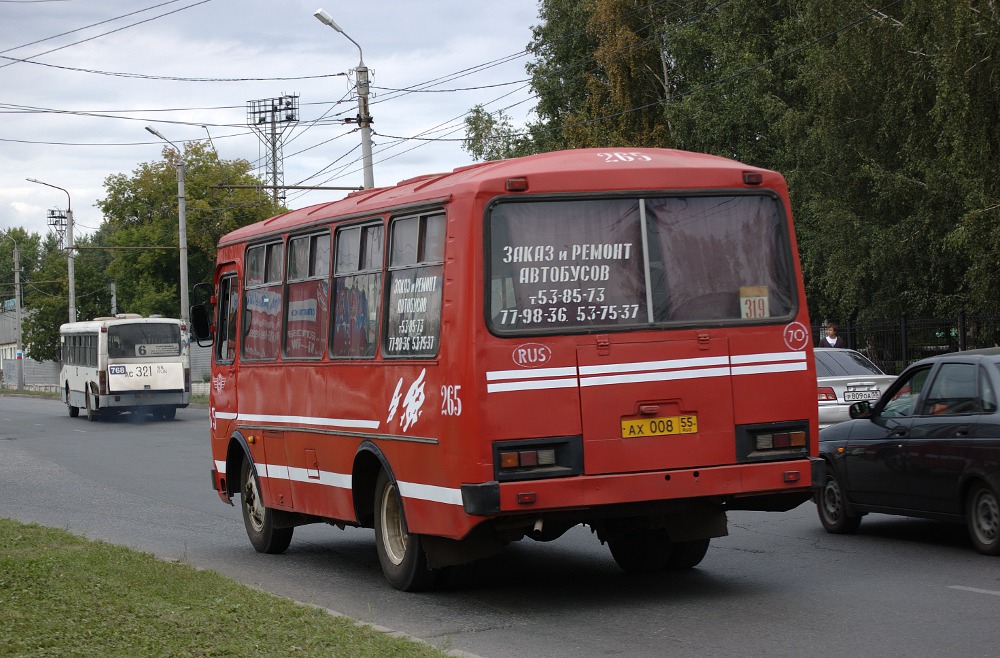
(405,43)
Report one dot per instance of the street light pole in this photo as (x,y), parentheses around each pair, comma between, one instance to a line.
(364,118)
(70,256)
(181,223)
(17,318)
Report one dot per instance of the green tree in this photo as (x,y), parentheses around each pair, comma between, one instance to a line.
(141,223)
(46,295)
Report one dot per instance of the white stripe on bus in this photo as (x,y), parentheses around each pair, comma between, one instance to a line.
(670,364)
(532,385)
(414,490)
(649,371)
(655,376)
(538,373)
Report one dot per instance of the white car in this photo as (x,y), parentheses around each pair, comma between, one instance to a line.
(843,378)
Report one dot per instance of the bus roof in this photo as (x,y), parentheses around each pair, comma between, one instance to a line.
(88,326)
(588,169)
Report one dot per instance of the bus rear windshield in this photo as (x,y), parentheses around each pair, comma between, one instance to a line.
(144,340)
(620,263)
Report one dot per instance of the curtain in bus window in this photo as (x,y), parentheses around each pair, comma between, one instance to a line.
(263,326)
(566,264)
(355,331)
(307,319)
(719,258)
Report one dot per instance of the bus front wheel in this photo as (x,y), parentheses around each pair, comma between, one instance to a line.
(91,412)
(400,553)
(259,520)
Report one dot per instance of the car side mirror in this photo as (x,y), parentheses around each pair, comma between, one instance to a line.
(861,409)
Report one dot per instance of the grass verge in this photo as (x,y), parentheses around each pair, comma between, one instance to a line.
(62,595)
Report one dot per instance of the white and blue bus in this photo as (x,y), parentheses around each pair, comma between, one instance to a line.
(125,363)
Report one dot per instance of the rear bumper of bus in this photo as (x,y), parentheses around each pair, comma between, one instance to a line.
(770,486)
(178,399)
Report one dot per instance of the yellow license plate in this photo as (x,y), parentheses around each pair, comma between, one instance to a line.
(643,427)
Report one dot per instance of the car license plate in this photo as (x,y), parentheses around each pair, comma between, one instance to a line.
(643,427)
(856,396)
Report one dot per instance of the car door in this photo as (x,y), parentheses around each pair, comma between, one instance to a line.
(875,459)
(941,435)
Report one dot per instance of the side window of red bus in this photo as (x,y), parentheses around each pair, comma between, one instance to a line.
(357,290)
(416,275)
(262,302)
(306,311)
(228,310)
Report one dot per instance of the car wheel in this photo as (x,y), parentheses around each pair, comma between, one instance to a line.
(832,507)
(400,553)
(259,520)
(983,518)
(642,550)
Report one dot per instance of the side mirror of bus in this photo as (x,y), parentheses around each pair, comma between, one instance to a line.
(201,328)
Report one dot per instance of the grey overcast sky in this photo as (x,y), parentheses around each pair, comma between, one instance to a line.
(80,79)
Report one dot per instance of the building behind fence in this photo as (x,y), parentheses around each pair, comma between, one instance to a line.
(895,344)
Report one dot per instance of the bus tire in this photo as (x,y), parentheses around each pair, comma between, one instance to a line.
(259,520)
(687,554)
(73,411)
(91,412)
(983,519)
(641,550)
(166,413)
(400,553)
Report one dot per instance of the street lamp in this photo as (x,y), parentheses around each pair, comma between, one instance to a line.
(364,119)
(181,223)
(70,257)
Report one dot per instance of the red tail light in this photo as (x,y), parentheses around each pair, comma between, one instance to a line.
(826,394)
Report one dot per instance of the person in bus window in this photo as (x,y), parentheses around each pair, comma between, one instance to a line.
(832,339)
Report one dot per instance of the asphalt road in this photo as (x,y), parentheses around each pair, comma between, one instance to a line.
(778,585)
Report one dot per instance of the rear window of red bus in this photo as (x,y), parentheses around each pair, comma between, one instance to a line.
(589,264)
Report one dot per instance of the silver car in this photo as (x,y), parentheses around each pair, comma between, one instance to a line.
(843,378)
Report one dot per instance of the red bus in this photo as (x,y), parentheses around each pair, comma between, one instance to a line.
(617,339)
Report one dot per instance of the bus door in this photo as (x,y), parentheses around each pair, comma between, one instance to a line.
(655,405)
(225,355)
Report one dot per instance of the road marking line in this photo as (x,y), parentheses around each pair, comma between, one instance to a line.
(975,590)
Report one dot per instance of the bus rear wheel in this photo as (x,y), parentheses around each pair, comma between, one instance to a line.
(73,411)
(259,520)
(641,550)
(400,553)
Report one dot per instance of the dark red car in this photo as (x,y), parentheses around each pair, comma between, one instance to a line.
(929,447)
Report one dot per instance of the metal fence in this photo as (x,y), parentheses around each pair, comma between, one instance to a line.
(895,344)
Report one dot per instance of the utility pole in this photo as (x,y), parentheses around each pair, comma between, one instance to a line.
(181,223)
(17,318)
(364,118)
(270,118)
(70,256)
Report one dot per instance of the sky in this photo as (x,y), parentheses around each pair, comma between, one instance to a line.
(81,79)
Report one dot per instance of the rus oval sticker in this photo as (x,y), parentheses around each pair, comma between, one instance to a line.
(532,355)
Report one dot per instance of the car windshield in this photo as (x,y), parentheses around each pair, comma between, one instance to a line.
(838,363)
